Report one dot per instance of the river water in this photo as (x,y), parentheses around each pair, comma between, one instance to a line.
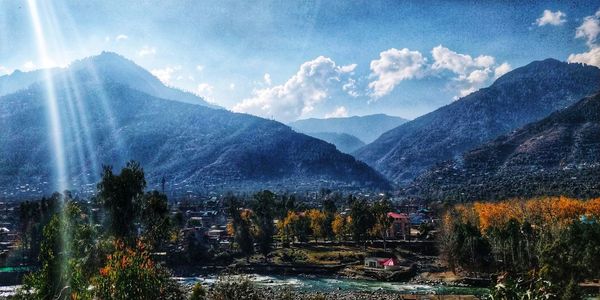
(329,284)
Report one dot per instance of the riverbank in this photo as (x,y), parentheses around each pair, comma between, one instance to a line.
(416,264)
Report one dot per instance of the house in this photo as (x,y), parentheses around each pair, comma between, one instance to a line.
(400,227)
(382,263)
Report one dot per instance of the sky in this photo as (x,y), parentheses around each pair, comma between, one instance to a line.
(290,60)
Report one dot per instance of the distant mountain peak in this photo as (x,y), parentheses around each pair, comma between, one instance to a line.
(548,65)
(366,128)
(113,67)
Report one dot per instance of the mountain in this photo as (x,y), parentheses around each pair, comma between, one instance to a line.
(559,155)
(106,67)
(194,147)
(342,141)
(522,96)
(366,128)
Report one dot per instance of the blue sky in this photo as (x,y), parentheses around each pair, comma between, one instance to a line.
(288,60)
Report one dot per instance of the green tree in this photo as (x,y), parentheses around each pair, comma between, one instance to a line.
(382,222)
(155,219)
(64,258)
(362,221)
(263,215)
(241,225)
(330,210)
(121,195)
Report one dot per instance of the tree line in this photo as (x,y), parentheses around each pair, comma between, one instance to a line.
(268,218)
(542,247)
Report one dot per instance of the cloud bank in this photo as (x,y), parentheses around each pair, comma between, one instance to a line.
(314,82)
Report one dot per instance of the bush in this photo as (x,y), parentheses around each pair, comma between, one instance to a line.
(198,292)
(130,273)
(235,288)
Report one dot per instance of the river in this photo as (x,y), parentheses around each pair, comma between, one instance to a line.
(331,284)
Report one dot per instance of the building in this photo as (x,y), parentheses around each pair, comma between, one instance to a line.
(400,227)
(382,263)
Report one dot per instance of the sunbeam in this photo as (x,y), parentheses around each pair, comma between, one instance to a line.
(55,126)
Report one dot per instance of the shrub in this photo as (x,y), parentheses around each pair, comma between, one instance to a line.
(235,288)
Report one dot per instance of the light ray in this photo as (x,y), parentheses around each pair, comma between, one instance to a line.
(100,93)
(55,126)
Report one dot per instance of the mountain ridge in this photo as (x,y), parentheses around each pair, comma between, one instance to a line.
(196,148)
(102,66)
(558,155)
(521,96)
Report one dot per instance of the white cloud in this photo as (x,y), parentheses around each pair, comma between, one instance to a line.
(478,76)
(28,66)
(465,92)
(121,37)
(165,74)
(551,18)
(200,68)
(502,69)
(446,59)
(267,78)
(4,70)
(232,86)
(591,57)
(339,112)
(394,66)
(589,30)
(471,73)
(205,88)
(314,82)
(350,88)
(146,51)
(348,68)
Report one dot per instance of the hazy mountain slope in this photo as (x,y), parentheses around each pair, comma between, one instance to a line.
(342,141)
(519,97)
(366,128)
(18,80)
(194,147)
(559,155)
(106,67)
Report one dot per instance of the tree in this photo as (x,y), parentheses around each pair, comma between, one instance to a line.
(240,226)
(318,223)
(64,258)
(33,217)
(339,226)
(155,219)
(263,216)
(382,222)
(121,195)
(362,220)
(330,210)
(294,226)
